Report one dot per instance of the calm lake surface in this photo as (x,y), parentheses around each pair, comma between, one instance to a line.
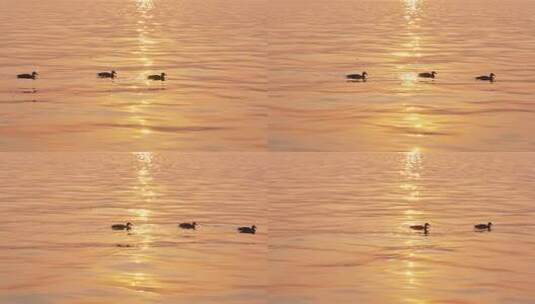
(339,231)
(333,227)
(314,44)
(213,52)
(56,245)
(249,75)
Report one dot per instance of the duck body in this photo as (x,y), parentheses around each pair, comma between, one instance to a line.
(424,227)
(126,226)
(111,74)
(362,76)
(188,225)
(160,77)
(251,230)
(427,74)
(483,226)
(490,78)
(28,76)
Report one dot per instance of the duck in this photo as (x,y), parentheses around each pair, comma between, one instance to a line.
(126,226)
(428,75)
(424,227)
(111,74)
(28,76)
(362,76)
(251,230)
(490,78)
(483,226)
(157,77)
(188,225)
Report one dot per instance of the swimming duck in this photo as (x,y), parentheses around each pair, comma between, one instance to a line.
(128,226)
(420,227)
(428,75)
(28,76)
(157,77)
(111,74)
(188,225)
(490,78)
(251,229)
(362,76)
(483,226)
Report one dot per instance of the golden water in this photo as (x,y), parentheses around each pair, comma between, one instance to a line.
(314,44)
(213,52)
(332,227)
(340,228)
(56,245)
(249,76)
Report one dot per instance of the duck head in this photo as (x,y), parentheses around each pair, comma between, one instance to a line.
(129,225)
(489,224)
(253,227)
(194,224)
(34,73)
(426,225)
(433,73)
(492,76)
(364,74)
(113,73)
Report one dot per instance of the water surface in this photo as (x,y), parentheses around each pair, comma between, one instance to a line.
(213,52)
(333,227)
(340,230)
(314,44)
(56,245)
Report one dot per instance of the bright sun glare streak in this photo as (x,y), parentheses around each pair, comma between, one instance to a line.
(412,47)
(144,8)
(141,279)
(412,8)
(412,165)
(145,43)
(146,192)
(144,176)
(408,79)
(411,173)
(145,4)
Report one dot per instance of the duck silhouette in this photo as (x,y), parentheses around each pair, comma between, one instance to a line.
(188,225)
(362,76)
(427,74)
(160,77)
(490,78)
(251,230)
(483,226)
(111,74)
(424,227)
(28,76)
(126,226)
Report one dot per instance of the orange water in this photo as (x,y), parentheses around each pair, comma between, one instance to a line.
(332,227)
(56,245)
(212,51)
(314,44)
(340,228)
(251,76)
(255,75)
